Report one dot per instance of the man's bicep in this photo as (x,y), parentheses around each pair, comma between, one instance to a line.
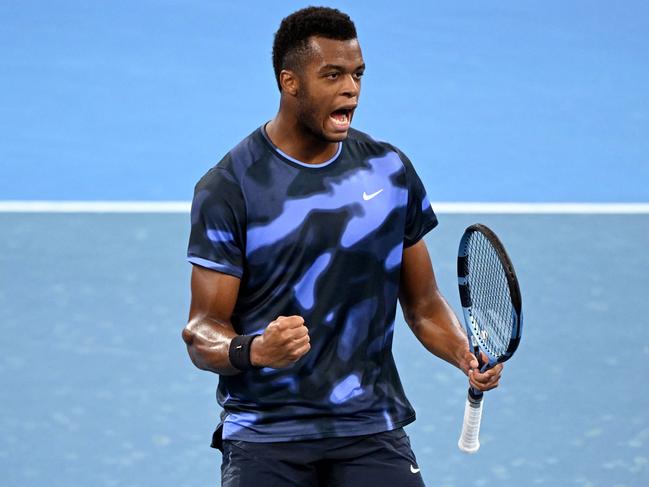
(418,285)
(214,294)
(209,330)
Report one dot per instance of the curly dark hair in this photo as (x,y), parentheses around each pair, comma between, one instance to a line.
(291,42)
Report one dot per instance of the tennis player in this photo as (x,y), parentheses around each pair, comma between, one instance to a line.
(303,238)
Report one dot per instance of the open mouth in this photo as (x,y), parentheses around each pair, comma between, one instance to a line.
(342,117)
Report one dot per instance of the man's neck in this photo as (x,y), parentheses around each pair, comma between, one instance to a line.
(291,138)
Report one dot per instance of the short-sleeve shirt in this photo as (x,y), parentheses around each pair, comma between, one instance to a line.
(322,241)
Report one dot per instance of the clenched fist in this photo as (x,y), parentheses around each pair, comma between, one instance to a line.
(283,342)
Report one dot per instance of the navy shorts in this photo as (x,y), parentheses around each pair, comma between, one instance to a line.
(379,460)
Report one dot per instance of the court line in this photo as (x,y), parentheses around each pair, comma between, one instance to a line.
(440,207)
(541,208)
(94,206)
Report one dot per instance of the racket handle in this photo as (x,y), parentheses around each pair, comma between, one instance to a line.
(469,441)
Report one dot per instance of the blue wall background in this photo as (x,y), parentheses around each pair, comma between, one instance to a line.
(514,101)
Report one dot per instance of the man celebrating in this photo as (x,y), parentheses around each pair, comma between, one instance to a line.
(304,236)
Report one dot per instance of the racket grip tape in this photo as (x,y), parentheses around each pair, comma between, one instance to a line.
(469,441)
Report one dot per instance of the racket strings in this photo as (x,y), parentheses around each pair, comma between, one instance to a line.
(490,296)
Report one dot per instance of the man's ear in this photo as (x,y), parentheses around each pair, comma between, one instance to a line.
(289,82)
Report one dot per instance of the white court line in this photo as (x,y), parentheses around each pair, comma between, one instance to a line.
(440,207)
(94,206)
(540,208)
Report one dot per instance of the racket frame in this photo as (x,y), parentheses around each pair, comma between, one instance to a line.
(470,322)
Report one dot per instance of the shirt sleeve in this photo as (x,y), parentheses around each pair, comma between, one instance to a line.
(218,214)
(420,217)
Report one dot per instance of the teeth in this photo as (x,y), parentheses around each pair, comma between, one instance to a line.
(341,119)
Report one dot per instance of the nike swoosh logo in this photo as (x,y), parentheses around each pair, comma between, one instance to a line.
(413,469)
(368,197)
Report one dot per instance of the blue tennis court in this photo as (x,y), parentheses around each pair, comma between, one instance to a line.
(134,101)
(98,390)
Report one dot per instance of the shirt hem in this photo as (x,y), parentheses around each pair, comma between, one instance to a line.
(273,438)
(427,228)
(215,266)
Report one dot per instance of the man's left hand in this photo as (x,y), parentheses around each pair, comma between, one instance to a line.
(483,381)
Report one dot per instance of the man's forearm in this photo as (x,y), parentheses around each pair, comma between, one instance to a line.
(436,326)
(208,344)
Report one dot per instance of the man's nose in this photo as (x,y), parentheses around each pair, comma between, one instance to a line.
(351,86)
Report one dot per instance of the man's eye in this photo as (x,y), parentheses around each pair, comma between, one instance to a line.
(359,75)
(333,75)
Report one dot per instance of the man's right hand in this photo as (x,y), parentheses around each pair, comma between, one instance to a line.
(283,342)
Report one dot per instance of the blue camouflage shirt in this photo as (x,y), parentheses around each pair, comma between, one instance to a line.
(323,241)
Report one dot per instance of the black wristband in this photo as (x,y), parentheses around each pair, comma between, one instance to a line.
(239,352)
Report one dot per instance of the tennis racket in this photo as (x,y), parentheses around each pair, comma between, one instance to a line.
(491,302)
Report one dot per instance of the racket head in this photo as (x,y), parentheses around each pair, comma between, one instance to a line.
(489,293)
